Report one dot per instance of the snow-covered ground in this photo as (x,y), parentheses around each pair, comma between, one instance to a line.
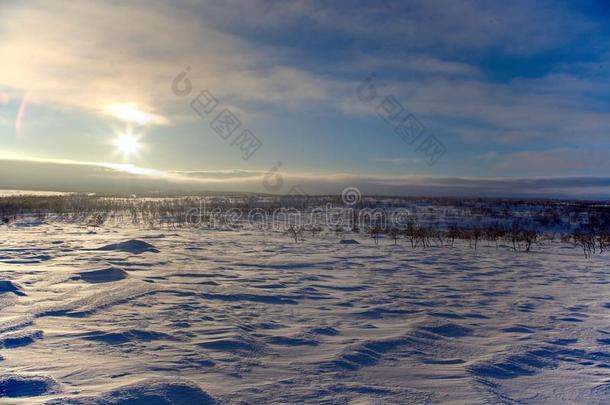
(194,317)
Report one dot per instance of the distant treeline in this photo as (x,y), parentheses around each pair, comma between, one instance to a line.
(520,224)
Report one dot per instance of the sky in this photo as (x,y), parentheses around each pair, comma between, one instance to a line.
(423,97)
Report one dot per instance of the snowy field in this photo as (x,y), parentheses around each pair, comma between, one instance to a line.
(198,317)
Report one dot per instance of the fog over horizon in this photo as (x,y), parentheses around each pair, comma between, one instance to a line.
(126,179)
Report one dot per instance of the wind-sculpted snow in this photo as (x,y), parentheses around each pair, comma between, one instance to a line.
(147,392)
(7,286)
(15,385)
(107,275)
(131,246)
(20,338)
(125,315)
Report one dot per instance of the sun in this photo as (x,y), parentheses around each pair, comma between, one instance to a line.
(127,144)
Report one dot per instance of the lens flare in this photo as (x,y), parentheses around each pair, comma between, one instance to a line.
(21,114)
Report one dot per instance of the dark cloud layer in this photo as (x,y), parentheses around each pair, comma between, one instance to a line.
(82,177)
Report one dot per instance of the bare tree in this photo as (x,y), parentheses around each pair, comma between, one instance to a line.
(394,233)
(375,232)
(295,232)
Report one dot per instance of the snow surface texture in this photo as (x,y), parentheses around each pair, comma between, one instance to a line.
(123,316)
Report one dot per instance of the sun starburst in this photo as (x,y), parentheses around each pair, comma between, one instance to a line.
(127,143)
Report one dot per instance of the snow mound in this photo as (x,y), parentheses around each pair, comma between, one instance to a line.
(450,330)
(132,246)
(367,353)
(179,392)
(291,341)
(107,275)
(20,339)
(239,344)
(14,386)
(118,338)
(327,331)
(349,242)
(9,286)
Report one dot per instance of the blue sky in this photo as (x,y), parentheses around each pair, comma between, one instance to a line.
(513,90)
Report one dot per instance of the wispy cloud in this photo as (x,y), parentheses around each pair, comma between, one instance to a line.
(92,56)
(398,161)
(520,27)
(553,161)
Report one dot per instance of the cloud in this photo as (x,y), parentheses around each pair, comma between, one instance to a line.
(552,161)
(219,174)
(132,113)
(91,55)
(398,161)
(554,108)
(118,179)
(309,56)
(411,62)
(518,27)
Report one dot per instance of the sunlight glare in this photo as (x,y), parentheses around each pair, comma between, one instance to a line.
(131,112)
(127,143)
